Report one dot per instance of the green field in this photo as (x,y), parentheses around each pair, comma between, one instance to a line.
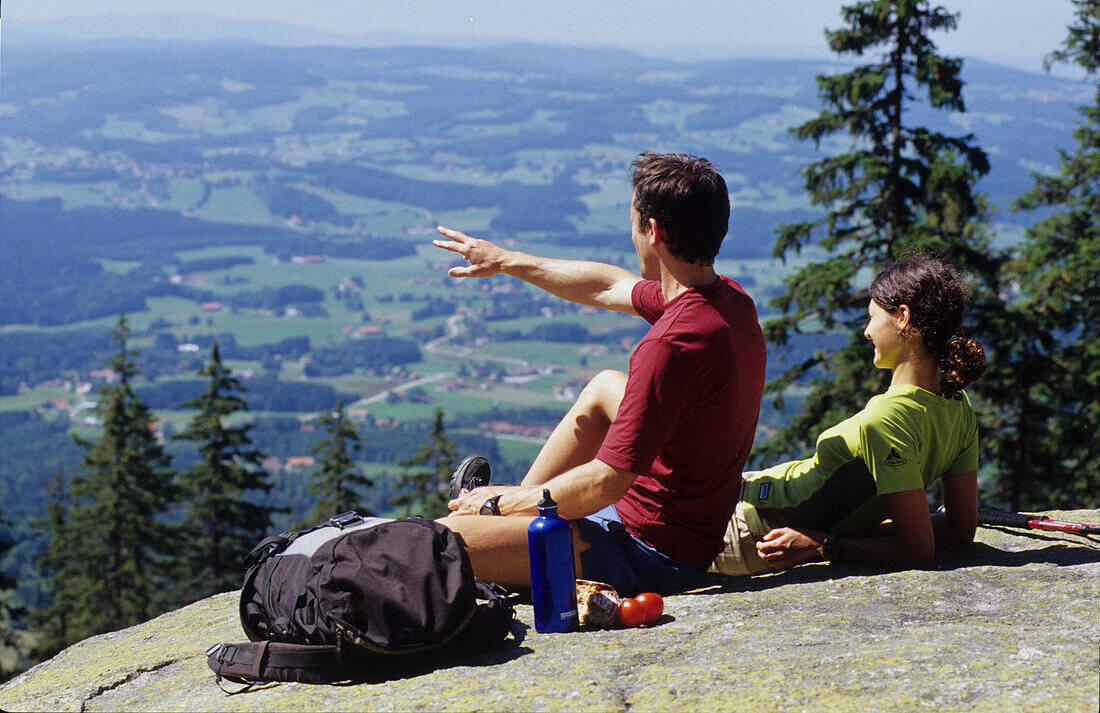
(393,290)
(538,352)
(236,204)
(184,194)
(662,112)
(516,450)
(118,267)
(473,401)
(419,276)
(35,397)
(73,195)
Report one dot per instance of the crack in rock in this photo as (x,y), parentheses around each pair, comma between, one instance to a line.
(123,681)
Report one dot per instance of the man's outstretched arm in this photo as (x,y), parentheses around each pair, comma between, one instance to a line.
(587,283)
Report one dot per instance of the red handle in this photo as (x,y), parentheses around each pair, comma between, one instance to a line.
(1060,526)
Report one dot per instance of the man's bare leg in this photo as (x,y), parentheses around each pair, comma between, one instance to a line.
(498,545)
(498,548)
(579,435)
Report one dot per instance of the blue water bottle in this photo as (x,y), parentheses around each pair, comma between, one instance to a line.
(553,582)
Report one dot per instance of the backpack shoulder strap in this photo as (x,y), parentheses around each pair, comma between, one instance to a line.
(275,544)
(268,546)
(261,661)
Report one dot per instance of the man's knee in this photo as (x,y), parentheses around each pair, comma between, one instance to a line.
(605,392)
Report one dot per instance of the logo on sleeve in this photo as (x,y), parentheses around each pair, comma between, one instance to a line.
(765,488)
(893,458)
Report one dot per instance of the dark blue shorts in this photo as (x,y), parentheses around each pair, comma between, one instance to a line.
(626,563)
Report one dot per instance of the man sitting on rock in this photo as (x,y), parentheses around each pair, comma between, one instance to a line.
(647,465)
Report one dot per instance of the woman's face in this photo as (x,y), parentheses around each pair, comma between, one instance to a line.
(884,331)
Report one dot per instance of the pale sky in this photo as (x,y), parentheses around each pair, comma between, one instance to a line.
(1018,33)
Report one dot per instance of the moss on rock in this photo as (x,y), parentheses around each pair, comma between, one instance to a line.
(1010,624)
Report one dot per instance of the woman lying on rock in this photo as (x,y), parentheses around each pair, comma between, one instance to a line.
(861,497)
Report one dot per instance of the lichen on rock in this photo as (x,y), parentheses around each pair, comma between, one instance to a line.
(1011,623)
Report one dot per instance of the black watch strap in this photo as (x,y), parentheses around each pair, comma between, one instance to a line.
(490,506)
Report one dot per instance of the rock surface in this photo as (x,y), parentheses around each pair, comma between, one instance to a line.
(1012,624)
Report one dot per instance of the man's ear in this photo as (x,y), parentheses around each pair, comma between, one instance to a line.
(656,232)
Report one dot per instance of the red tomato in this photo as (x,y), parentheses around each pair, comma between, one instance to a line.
(631,613)
(653,604)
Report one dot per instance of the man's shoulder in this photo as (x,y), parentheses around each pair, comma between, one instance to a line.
(724,310)
(647,300)
(725,300)
(734,304)
(735,286)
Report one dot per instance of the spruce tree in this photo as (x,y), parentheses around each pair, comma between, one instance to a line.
(58,566)
(426,493)
(223,520)
(899,186)
(337,480)
(1047,387)
(116,546)
(9,611)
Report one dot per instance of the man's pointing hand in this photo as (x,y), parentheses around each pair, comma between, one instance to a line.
(486,259)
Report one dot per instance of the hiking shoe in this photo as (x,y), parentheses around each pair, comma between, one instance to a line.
(472,472)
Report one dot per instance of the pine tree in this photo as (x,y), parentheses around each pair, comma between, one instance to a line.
(9,611)
(60,568)
(899,186)
(116,546)
(222,521)
(337,479)
(427,487)
(1043,438)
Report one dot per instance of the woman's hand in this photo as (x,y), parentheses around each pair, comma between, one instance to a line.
(785,547)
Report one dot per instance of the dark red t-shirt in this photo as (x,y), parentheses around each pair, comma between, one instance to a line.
(688,417)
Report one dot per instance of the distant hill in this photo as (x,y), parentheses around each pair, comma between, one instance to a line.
(131,30)
(539,135)
(282,201)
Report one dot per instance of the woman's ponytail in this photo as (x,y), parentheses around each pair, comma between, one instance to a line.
(961,362)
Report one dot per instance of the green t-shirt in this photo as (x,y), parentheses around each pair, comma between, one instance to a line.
(903,440)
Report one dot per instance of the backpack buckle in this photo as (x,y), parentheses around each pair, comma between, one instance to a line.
(345,519)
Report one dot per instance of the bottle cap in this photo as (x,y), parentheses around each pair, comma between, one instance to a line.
(547,502)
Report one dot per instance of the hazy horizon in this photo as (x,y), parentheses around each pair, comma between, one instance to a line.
(1014,33)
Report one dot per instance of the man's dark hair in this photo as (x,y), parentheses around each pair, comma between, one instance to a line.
(687,198)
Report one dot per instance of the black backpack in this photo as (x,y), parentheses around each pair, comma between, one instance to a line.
(360,598)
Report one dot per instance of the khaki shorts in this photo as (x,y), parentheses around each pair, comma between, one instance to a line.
(738,557)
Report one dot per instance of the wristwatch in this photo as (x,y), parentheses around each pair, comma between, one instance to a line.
(490,506)
(828,547)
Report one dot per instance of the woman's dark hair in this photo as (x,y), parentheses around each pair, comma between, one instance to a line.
(937,301)
(688,198)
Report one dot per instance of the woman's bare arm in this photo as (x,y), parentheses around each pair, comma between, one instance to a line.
(955,526)
(910,542)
